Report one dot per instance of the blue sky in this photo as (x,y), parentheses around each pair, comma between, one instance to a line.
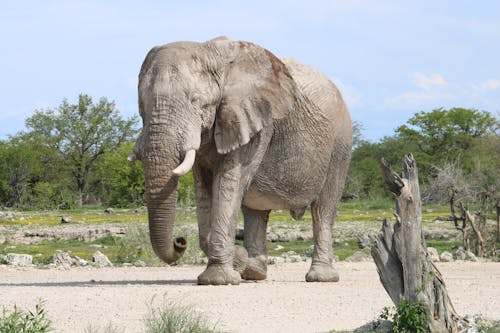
(390,59)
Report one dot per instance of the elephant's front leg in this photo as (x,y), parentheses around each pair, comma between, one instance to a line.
(226,201)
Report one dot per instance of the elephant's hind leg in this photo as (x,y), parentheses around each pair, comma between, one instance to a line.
(255,243)
(324,210)
(321,267)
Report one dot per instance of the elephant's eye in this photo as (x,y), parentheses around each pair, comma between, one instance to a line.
(195,100)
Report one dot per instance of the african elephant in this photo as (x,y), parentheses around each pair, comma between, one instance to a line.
(258,132)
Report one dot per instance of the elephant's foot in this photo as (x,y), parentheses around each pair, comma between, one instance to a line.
(322,273)
(219,275)
(240,259)
(256,269)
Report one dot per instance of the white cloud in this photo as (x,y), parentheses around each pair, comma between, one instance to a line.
(491,84)
(427,81)
(420,99)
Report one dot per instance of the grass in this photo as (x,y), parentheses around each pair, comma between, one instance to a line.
(354,217)
(171,317)
(21,321)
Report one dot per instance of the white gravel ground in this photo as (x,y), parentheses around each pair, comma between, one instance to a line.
(79,297)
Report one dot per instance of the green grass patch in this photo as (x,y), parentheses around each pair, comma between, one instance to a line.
(305,248)
(442,245)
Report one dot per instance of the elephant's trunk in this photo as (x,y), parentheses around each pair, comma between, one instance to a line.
(161,198)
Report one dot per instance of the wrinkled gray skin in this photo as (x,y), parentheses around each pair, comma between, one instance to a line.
(268,134)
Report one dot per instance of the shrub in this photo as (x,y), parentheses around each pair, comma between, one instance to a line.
(20,321)
(407,318)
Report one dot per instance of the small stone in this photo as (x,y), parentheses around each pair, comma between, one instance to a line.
(109,210)
(6,216)
(80,262)
(21,260)
(459,254)
(100,259)
(279,247)
(433,254)
(275,260)
(470,256)
(139,263)
(446,256)
(65,219)
(2,239)
(127,264)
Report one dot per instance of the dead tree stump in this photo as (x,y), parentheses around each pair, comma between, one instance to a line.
(404,266)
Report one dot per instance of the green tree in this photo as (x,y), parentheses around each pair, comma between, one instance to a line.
(446,135)
(119,182)
(76,136)
(19,167)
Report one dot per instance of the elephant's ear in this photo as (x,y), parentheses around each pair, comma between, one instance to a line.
(256,89)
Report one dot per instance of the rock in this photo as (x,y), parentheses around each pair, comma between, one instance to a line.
(62,259)
(279,247)
(381,326)
(65,219)
(3,259)
(80,262)
(99,259)
(6,216)
(275,260)
(459,254)
(433,254)
(139,263)
(364,242)
(109,210)
(358,257)
(22,260)
(2,239)
(470,256)
(240,234)
(446,256)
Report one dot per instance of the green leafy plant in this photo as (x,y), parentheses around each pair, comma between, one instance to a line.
(410,318)
(20,321)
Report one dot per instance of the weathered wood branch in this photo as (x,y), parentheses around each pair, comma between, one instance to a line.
(473,223)
(405,268)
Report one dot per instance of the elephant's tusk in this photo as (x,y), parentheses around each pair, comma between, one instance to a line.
(132,157)
(186,165)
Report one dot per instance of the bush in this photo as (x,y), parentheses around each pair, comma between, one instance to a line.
(407,318)
(19,321)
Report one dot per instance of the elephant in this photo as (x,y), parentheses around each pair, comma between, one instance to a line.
(259,133)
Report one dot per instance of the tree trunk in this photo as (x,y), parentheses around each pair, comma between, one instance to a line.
(497,208)
(404,266)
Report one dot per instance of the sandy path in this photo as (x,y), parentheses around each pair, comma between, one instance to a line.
(283,303)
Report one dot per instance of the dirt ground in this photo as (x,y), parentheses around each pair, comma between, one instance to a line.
(77,298)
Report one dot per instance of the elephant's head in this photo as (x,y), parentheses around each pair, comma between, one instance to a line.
(223,90)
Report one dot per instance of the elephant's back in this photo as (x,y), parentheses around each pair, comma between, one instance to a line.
(317,88)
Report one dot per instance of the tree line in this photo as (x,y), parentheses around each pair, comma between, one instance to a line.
(75,154)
